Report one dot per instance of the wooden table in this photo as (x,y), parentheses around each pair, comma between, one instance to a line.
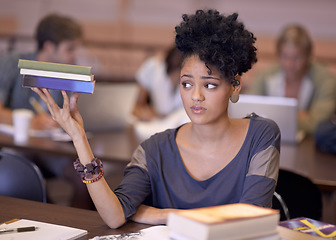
(14,208)
(306,160)
(118,146)
(11,208)
(114,146)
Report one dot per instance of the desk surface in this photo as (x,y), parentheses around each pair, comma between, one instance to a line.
(118,146)
(306,160)
(11,208)
(14,208)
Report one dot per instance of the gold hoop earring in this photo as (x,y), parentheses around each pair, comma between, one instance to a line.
(234,97)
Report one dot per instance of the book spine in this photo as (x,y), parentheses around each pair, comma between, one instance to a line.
(42,73)
(56,67)
(58,84)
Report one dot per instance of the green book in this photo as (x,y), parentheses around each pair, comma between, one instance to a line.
(56,67)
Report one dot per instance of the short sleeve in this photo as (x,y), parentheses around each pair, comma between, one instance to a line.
(135,186)
(263,170)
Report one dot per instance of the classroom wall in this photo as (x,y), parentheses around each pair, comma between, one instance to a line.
(151,23)
(262,16)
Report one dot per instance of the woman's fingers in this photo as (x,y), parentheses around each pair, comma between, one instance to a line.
(73,100)
(43,95)
(66,103)
(74,108)
(40,93)
(51,104)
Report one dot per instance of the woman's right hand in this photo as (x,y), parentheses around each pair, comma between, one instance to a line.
(67,117)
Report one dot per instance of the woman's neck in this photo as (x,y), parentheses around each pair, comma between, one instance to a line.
(210,133)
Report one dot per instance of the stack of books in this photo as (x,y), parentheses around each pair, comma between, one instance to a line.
(230,222)
(58,76)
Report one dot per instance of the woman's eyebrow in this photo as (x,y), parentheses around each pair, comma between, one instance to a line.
(186,75)
(210,77)
(203,77)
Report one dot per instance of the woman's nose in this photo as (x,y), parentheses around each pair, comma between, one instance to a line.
(197,94)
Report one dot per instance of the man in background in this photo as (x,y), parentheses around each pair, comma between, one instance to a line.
(58,38)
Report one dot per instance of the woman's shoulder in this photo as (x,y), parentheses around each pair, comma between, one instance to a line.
(263,125)
(258,121)
(160,138)
(320,72)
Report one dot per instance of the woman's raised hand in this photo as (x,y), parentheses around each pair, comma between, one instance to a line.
(67,117)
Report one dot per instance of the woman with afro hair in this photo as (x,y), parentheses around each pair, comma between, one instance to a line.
(213,160)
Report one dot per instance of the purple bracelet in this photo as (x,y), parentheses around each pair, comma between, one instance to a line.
(90,169)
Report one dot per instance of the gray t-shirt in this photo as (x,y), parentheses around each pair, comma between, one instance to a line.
(156,176)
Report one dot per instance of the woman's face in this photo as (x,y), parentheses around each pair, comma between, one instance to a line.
(205,97)
(293,60)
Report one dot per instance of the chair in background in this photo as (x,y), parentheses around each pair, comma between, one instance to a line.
(21,178)
(280,204)
(297,196)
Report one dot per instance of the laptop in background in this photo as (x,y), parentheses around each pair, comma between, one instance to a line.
(280,109)
(109,107)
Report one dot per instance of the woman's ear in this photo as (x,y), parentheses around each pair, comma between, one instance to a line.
(236,87)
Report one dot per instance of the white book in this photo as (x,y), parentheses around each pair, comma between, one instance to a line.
(230,222)
(44,231)
(51,74)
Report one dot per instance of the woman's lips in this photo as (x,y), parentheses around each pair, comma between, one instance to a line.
(197,109)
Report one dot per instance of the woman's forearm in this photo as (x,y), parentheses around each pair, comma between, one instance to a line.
(151,215)
(106,202)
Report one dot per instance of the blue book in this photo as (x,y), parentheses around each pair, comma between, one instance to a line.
(307,229)
(58,84)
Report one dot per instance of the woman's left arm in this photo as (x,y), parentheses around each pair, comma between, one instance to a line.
(151,215)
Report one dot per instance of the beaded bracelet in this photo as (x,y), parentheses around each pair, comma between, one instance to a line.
(100,175)
(90,169)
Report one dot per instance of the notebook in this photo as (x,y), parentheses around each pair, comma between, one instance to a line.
(109,108)
(280,109)
(43,231)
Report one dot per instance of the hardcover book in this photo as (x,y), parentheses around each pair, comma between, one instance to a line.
(58,84)
(55,67)
(306,228)
(52,74)
(231,221)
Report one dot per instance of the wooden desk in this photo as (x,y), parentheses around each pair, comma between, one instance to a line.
(308,161)
(118,146)
(11,208)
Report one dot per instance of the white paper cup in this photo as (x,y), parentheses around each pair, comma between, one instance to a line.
(21,122)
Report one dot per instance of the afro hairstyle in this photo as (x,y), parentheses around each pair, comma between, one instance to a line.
(220,41)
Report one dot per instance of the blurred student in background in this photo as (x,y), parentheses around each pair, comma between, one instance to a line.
(159,105)
(296,75)
(159,92)
(325,135)
(58,38)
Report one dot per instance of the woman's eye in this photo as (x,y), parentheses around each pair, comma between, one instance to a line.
(211,85)
(186,85)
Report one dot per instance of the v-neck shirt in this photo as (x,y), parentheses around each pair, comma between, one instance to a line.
(156,175)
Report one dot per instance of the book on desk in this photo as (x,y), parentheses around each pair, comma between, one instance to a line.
(57,76)
(307,229)
(231,221)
